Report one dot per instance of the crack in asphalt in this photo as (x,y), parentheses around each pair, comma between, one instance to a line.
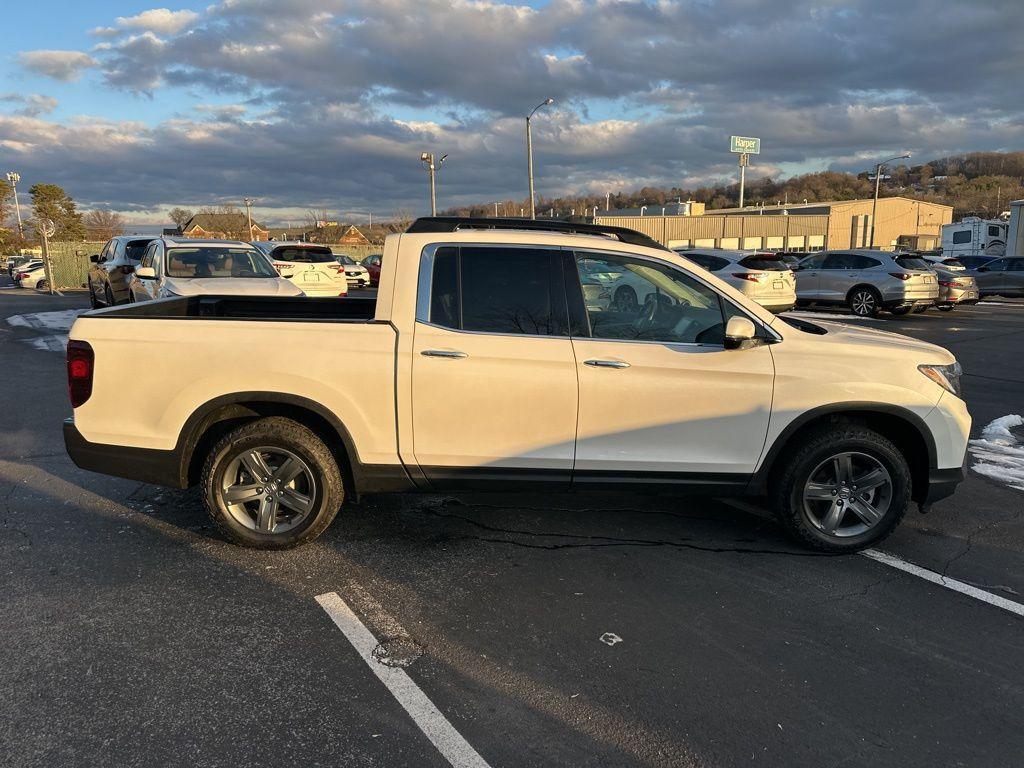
(595,542)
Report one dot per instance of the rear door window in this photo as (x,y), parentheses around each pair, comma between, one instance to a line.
(135,249)
(499,290)
(911,262)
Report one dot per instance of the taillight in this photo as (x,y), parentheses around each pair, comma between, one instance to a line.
(279,267)
(81,363)
(21,276)
(901,275)
(754,277)
(951,284)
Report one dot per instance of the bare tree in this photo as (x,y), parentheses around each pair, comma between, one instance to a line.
(180,217)
(103,225)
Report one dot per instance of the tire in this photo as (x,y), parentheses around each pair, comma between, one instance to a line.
(808,471)
(42,285)
(317,486)
(919,310)
(945,307)
(625,299)
(864,301)
(900,311)
(94,303)
(108,295)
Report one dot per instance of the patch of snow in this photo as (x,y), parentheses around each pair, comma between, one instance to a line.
(998,453)
(55,325)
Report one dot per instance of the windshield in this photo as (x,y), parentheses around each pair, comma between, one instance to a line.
(911,262)
(217,262)
(303,255)
(344,259)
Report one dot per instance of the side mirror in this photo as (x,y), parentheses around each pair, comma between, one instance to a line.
(145,273)
(95,258)
(739,332)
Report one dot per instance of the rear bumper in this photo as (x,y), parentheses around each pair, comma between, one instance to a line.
(145,465)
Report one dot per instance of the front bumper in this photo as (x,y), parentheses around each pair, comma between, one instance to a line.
(146,465)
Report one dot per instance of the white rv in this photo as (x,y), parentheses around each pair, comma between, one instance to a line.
(1015,235)
(974,237)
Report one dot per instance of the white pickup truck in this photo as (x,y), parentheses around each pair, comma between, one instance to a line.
(487,362)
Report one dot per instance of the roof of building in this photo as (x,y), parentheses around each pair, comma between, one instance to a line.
(753,209)
(221,222)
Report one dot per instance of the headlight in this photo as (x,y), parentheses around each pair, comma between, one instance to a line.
(946,376)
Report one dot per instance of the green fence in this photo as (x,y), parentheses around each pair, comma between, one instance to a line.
(70,263)
(357,252)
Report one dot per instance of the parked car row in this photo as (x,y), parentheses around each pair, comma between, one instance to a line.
(866,281)
(132,269)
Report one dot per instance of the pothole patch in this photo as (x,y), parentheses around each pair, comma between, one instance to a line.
(397,651)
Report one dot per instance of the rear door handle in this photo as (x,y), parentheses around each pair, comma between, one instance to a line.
(606,363)
(444,353)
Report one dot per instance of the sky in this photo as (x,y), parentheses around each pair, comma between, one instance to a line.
(327,104)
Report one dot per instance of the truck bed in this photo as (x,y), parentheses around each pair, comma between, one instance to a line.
(283,308)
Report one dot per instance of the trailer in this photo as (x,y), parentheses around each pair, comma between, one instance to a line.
(974,236)
(1015,233)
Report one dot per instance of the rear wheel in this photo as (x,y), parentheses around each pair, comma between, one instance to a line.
(919,310)
(845,489)
(945,307)
(900,311)
(43,285)
(271,484)
(864,301)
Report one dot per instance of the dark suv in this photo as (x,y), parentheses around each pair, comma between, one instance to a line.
(108,275)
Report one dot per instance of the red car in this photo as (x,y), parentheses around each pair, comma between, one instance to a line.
(372,264)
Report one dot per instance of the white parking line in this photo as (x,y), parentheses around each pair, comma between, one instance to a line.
(449,742)
(944,581)
(914,570)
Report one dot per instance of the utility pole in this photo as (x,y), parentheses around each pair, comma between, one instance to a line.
(607,201)
(46,229)
(744,161)
(14,178)
(878,181)
(427,158)
(248,212)
(529,153)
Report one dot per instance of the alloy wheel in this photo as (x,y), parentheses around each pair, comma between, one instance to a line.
(268,489)
(847,494)
(863,303)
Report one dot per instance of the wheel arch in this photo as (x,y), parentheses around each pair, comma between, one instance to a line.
(213,419)
(903,427)
(858,286)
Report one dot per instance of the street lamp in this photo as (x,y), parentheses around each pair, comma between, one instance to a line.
(878,178)
(529,151)
(642,209)
(248,212)
(427,158)
(14,178)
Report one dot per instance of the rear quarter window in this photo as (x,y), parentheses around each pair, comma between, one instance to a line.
(911,262)
(304,255)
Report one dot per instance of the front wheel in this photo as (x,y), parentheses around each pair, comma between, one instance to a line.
(271,484)
(864,302)
(108,295)
(93,301)
(844,490)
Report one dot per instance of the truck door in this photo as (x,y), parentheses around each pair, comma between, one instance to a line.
(494,390)
(660,396)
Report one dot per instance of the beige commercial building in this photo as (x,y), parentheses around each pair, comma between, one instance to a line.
(800,227)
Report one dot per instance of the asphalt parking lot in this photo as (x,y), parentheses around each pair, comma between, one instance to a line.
(544,630)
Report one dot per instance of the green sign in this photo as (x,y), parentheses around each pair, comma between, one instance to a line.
(745,145)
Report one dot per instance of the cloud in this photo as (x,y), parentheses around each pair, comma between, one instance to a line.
(160,20)
(334,99)
(60,65)
(32,105)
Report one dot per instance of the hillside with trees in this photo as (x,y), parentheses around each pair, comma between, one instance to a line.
(975,184)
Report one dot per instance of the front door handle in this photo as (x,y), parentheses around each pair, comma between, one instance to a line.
(444,353)
(606,363)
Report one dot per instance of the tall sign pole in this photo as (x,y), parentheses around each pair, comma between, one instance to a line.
(744,146)
(46,230)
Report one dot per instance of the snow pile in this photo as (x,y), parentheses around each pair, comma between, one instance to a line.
(55,326)
(999,454)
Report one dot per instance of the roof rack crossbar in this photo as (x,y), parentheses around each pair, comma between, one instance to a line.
(427,224)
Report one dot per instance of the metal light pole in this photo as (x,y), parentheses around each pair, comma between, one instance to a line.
(529,152)
(248,212)
(427,158)
(874,204)
(744,161)
(642,209)
(14,178)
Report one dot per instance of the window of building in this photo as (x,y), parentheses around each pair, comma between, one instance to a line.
(774,243)
(752,243)
(730,243)
(704,242)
